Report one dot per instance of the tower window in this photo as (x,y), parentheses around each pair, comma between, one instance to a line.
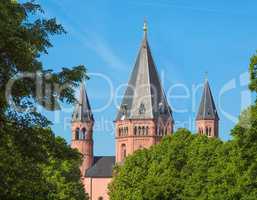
(143,130)
(161,108)
(142,109)
(135,130)
(123,151)
(124,109)
(210,131)
(147,130)
(77,134)
(83,134)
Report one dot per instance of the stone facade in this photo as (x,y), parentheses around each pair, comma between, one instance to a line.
(82,139)
(143,119)
(97,187)
(132,135)
(208,127)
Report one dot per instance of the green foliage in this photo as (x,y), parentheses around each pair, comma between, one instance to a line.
(186,166)
(62,173)
(178,168)
(22,42)
(34,164)
(253,73)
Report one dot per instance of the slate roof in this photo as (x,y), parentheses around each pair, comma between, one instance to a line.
(207,109)
(82,111)
(102,167)
(144,97)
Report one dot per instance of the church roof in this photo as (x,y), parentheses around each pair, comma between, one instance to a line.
(82,111)
(207,109)
(144,96)
(102,167)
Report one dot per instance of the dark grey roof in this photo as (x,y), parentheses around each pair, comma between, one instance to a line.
(82,111)
(102,167)
(144,97)
(207,109)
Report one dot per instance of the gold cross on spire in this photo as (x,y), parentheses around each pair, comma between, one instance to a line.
(145,27)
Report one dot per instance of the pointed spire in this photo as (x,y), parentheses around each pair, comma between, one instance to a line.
(82,111)
(144,97)
(207,109)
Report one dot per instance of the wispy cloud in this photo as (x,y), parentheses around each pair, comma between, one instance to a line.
(91,40)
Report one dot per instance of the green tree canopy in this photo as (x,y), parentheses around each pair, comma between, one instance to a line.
(186,166)
(34,164)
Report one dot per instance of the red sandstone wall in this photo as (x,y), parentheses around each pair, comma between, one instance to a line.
(97,187)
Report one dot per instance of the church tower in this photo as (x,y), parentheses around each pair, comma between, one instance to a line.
(207,120)
(82,130)
(144,116)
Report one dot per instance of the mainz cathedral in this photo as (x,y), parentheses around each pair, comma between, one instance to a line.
(143,119)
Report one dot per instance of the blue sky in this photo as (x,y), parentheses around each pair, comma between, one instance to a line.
(187,38)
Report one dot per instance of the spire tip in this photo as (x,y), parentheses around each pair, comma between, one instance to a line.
(145,28)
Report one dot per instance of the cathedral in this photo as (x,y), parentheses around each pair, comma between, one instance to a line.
(143,119)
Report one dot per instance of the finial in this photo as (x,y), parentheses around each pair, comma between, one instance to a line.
(145,26)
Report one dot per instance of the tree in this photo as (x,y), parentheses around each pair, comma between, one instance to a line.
(253,73)
(186,166)
(38,165)
(22,42)
(34,164)
(177,168)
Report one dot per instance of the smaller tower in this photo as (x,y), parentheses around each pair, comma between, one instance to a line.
(207,120)
(82,130)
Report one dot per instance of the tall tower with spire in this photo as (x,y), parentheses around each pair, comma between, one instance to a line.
(82,130)
(144,116)
(207,120)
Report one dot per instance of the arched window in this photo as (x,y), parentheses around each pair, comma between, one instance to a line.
(143,130)
(206,131)
(83,135)
(100,198)
(139,130)
(135,130)
(123,151)
(146,130)
(209,131)
(158,131)
(77,134)
(161,131)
